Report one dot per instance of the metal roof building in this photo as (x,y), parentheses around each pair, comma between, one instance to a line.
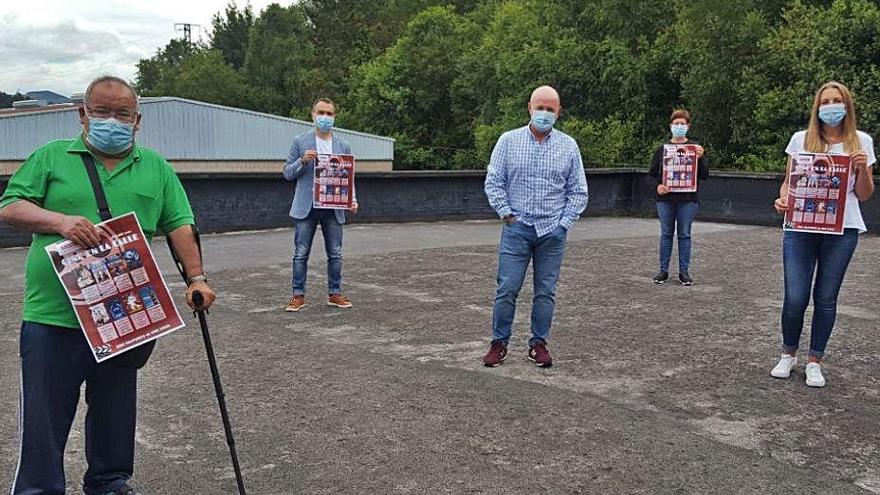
(196,137)
(50,97)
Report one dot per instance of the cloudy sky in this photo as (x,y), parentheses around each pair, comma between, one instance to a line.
(61,45)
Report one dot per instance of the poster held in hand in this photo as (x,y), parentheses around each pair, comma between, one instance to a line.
(334,182)
(680,167)
(817,190)
(116,288)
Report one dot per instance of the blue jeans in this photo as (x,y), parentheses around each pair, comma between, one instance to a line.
(304,234)
(676,216)
(55,362)
(803,254)
(519,245)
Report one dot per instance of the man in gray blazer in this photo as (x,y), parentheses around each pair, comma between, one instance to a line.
(300,167)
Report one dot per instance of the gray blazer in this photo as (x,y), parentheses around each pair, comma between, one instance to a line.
(304,173)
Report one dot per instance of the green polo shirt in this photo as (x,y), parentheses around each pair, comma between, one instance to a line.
(54,178)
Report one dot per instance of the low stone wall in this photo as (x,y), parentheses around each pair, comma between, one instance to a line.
(227,202)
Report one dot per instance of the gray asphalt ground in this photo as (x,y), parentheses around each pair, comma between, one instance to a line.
(655,389)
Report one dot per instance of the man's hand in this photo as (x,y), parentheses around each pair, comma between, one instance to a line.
(354,208)
(208,295)
(662,190)
(781,205)
(80,230)
(699,150)
(509,219)
(309,155)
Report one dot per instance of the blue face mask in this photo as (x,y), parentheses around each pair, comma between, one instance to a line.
(679,130)
(832,114)
(324,123)
(543,120)
(110,136)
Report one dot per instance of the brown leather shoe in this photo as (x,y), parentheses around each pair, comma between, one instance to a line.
(339,301)
(496,355)
(296,303)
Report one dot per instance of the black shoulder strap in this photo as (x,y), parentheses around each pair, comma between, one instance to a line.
(92,170)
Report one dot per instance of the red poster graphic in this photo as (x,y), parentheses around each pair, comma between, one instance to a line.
(817,187)
(334,182)
(680,167)
(117,291)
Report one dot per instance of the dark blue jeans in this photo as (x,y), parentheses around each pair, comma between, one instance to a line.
(804,254)
(676,217)
(519,245)
(304,234)
(55,362)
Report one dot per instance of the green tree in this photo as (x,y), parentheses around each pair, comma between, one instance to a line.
(280,63)
(231,33)
(815,43)
(523,46)
(206,76)
(407,92)
(717,45)
(156,75)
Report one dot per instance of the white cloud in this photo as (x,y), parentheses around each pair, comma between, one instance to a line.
(90,38)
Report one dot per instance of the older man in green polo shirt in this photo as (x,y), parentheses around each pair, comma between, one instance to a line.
(51,196)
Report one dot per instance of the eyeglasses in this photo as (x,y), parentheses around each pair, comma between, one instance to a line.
(120,115)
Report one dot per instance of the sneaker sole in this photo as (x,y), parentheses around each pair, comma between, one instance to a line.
(659,282)
(781,377)
(540,365)
(816,385)
(686,284)
(496,364)
(339,305)
(292,310)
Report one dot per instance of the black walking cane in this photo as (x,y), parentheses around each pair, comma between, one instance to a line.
(212,361)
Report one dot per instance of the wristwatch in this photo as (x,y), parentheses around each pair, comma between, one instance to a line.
(196,278)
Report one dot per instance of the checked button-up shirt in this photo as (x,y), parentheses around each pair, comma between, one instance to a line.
(543,184)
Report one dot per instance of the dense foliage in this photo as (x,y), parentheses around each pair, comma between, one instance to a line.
(446,78)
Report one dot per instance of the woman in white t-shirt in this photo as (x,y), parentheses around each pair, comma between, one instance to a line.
(832,129)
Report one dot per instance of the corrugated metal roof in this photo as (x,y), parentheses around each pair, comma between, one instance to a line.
(50,97)
(182,129)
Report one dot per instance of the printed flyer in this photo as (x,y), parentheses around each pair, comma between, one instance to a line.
(334,182)
(817,187)
(116,289)
(680,167)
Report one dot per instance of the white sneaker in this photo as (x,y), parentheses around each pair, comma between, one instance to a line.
(814,375)
(784,367)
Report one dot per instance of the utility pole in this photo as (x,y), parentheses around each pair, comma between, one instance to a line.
(186,27)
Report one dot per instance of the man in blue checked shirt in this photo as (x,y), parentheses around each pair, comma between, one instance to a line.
(536,184)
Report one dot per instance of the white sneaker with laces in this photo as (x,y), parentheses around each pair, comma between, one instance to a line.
(814,375)
(784,367)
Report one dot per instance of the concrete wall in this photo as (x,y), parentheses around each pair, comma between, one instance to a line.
(258,201)
(9,167)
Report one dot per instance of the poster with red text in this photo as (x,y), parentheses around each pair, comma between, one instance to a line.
(117,291)
(334,182)
(817,187)
(680,167)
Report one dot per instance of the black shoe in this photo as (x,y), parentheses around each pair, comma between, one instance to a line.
(661,278)
(685,279)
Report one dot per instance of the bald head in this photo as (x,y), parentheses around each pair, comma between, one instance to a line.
(544,93)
